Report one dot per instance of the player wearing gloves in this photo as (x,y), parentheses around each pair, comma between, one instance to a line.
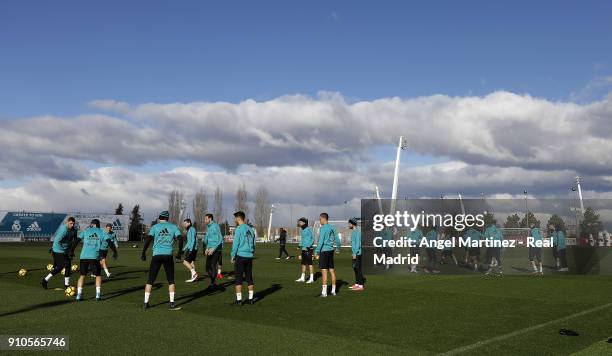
(306,243)
(190,249)
(213,242)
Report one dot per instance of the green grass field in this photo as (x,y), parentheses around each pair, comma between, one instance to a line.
(416,314)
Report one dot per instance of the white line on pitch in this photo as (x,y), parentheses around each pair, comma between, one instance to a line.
(521,331)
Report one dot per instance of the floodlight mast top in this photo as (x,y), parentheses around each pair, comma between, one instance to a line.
(580,194)
(401,146)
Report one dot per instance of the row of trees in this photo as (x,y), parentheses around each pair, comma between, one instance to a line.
(177,208)
(589,224)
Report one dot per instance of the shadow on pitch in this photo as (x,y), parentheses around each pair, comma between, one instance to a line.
(125,291)
(186,299)
(260,295)
(37,306)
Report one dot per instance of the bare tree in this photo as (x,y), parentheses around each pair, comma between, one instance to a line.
(218,212)
(262,210)
(200,206)
(175,206)
(241,200)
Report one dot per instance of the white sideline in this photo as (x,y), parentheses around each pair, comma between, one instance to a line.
(521,331)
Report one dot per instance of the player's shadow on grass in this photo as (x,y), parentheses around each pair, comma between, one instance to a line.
(339,284)
(186,299)
(36,306)
(317,275)
(123,292)
(521,269)
(266,292)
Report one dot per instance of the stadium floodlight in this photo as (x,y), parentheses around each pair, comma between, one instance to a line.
(580,194)
(401,146)
(462,206)
(270,223)
(378,198)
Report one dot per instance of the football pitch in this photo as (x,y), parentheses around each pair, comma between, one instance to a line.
(412,314)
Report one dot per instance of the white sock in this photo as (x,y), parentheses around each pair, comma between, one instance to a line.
(250,294)
(303,276)
(324,290)
(147,296)
(98,291)
(311,276)
(238,296)
(79,291)
(193,272)
(172,297)
(66,281)
(48,277)
(540,267)
(107,272)
(218,270)
(333,288)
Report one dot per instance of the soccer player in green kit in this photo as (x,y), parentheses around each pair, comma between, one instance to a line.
(432,237)
(474,236)
(243,249)
(493,233)
(93,238)
(214,248)
(415,237)
(104,248)
(306,243)
(190,249)
(162,235)
(62,258)
(559,247)
(356,254)
(535,253)
(328,237)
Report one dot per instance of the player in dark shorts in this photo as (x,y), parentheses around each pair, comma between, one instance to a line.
(328,237)
(61,252)
(93,237)
(213,242)
(190,249)
(535,253)
(162,235)
(104,248)
(306,250)
(243,249)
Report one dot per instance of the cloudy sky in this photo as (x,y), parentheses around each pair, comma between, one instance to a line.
(114,102)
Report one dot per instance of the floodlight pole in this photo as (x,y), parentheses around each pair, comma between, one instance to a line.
(461,203)
(378,198)
(270,223)
(400,147)
(580,195)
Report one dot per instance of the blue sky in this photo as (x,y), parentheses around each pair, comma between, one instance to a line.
(57,56)
(492,96)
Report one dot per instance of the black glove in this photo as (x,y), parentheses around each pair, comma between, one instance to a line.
(143,257)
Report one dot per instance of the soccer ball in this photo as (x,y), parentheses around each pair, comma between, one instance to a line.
(74,268)
(70,291)
(22,272)
(49,267)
